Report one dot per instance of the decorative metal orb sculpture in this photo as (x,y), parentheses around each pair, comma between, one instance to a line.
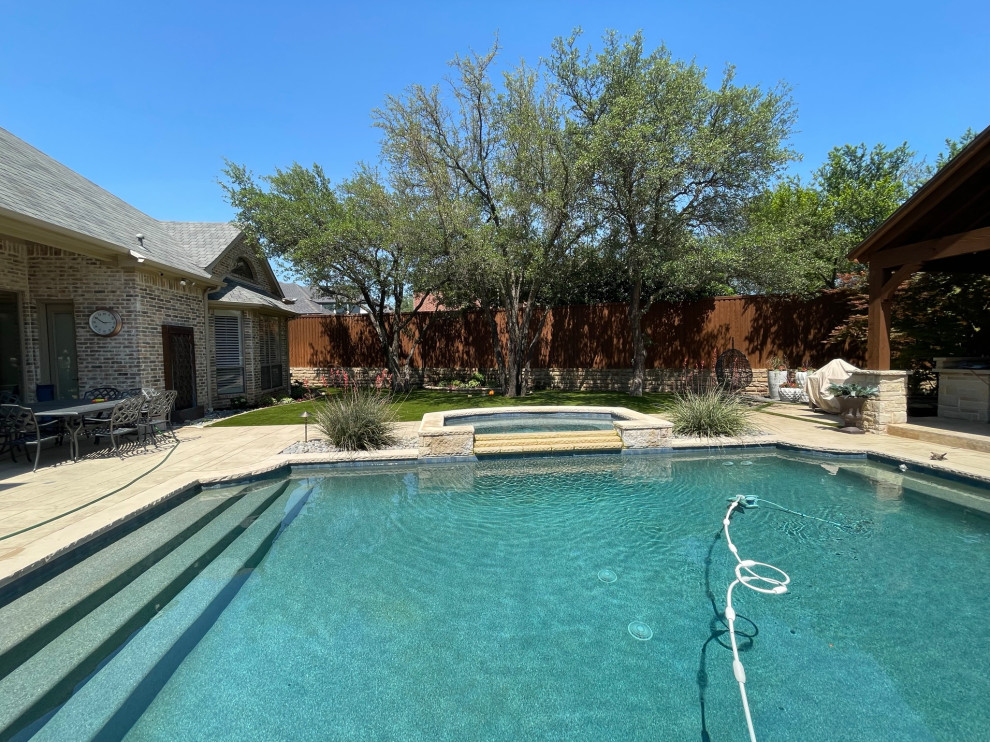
(732,370)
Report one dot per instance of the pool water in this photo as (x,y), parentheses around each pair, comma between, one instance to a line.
(534,422)
(507,600)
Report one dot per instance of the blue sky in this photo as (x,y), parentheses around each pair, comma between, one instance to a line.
(146,99)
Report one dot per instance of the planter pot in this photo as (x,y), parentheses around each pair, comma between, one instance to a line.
(774,379)
(851,409)
(801,377)
(790,394)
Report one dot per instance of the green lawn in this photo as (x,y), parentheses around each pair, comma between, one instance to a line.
(416,404)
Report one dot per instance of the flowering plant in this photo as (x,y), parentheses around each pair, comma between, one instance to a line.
(777,363)
(383,380)
(337,377)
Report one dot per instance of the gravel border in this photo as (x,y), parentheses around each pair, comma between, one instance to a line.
(319,445)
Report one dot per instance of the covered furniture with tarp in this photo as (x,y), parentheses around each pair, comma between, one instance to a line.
(816,387)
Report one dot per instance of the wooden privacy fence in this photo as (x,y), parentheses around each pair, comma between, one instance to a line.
(596,336)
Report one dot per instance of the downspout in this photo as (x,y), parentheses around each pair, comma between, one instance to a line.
(209,364)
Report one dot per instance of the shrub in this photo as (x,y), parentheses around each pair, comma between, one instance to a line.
(358,420)
(266,401)
(239,403)
(853,390)
(709,414)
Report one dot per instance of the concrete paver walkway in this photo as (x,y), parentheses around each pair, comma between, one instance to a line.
(64,504)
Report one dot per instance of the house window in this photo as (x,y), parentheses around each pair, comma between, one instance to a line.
(270,351)
(230,358)
(243,269)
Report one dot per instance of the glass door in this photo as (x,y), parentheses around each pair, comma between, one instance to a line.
(63,368)
(10,345)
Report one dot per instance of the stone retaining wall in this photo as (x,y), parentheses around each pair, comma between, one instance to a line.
(566,379)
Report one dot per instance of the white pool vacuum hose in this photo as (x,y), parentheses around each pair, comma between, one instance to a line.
(747,575)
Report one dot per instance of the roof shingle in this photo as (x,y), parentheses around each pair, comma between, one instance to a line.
(35,185)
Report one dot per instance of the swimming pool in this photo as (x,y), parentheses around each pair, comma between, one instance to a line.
(506,600)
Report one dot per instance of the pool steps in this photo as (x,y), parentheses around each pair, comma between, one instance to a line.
(588,440)
(37,617)
(115,697)
(974,498)
(48,677)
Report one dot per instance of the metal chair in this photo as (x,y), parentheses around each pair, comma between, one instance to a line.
(100,392)
(99,419)
(125,419)
(23,430)
(8,412)
(158,411)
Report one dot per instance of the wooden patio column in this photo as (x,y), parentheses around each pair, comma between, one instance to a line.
(878,327)
(884,281)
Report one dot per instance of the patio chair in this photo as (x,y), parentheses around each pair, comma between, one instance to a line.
(100,392)
(147,391)
(158,412)
(8,412)
(9,398)
(125,419)
(99,419)
(22,429)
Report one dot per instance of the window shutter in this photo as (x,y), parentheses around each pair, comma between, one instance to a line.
(227,338)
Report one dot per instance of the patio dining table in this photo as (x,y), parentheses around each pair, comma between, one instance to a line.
(73,411)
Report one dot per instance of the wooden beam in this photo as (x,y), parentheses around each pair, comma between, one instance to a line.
(900,276)
(878,327)
(976,240)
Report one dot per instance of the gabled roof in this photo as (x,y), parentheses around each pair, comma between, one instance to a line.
(955,200)
(306,299)
(233,293)
(38,190)
(203,242)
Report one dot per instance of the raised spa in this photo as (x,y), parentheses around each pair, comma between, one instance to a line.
(535,422)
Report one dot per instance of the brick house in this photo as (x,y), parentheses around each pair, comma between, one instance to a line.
(95,293)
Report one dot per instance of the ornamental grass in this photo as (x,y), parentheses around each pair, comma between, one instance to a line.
(358,420)
(709,414)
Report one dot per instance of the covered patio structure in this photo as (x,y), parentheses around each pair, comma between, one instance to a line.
(943,227)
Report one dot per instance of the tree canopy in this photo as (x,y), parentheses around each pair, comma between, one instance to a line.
(502,170)
(357,239)
(673,160)
(795,237)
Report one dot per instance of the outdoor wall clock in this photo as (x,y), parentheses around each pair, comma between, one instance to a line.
(105,322)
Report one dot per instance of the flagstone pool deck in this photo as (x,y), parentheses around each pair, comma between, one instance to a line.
(64,504)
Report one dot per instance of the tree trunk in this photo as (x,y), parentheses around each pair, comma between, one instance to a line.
(500,366)
(513,359)
(638,381)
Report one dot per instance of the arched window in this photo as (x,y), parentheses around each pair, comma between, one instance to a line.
(243,269)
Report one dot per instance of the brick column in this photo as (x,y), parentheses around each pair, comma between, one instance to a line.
(890,407)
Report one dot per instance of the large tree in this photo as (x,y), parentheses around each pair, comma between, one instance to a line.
(501,168)
(359,239)
(673,159)
(795,237)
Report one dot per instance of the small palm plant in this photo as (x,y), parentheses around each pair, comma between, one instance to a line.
(358,419)
(709,414)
